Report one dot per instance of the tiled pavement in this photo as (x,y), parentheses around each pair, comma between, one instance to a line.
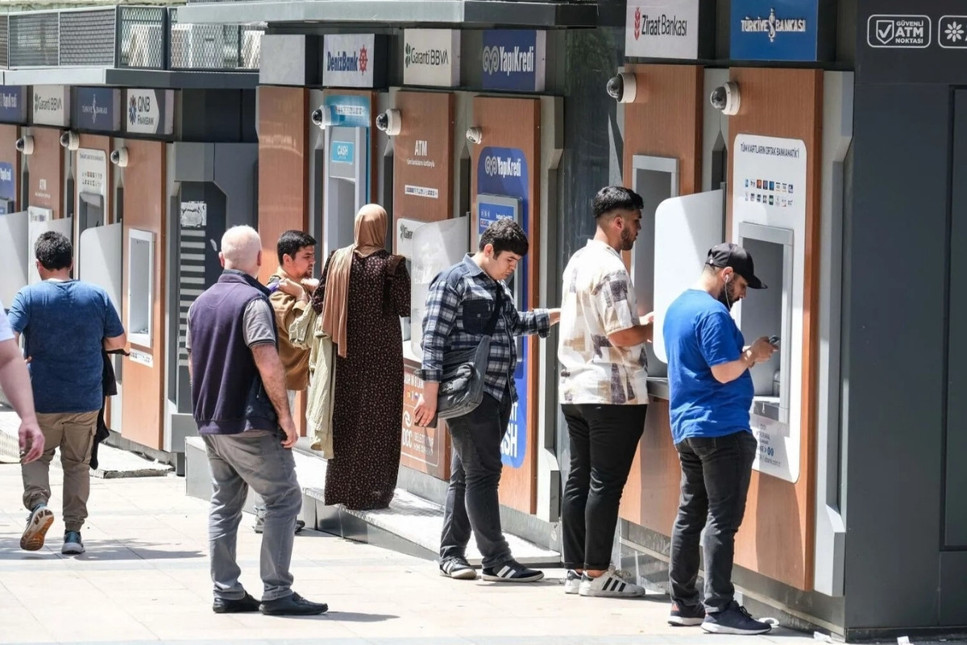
(144,579)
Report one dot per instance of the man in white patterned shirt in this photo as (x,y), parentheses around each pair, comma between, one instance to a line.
(603,392)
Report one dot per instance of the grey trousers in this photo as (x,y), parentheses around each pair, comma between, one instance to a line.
(253,459)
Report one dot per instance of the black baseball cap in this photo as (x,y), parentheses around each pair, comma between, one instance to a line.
(732,255)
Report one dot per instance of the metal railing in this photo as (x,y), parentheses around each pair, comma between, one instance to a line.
(147,37)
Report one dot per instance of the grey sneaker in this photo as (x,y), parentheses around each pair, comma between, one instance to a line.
(72,543)
(38,522)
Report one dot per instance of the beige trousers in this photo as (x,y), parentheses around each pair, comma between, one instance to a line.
(73,433)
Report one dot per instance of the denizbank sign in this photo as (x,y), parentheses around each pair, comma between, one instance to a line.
(431,57)
(513,59)
(662,29)
(353,60)
(51,105)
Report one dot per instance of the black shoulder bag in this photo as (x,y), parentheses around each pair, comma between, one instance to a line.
(462,387)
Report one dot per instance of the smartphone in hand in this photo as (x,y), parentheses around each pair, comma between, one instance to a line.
(774,341)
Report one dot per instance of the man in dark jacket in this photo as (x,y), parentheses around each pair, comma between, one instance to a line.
(240,406)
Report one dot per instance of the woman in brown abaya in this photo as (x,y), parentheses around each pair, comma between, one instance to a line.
(363,292)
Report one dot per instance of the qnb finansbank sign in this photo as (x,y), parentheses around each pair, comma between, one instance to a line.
(514,60)
(431,57)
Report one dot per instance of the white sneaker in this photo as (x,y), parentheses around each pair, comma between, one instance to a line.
(572,582)
(610,584)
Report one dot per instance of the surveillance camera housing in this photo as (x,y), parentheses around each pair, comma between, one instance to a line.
(390,122)
(623,88)
(70,140)
(25,144)
(322,117)
(119,157)
(726,98)
(474,135)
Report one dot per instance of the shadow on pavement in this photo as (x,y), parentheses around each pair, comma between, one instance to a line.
(356,617)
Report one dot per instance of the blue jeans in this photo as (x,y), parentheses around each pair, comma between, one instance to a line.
(472,501)
(253,459)
(715,482)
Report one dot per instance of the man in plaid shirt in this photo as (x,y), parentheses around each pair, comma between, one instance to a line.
(459,306)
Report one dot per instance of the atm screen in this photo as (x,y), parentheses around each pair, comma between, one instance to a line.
(91,211)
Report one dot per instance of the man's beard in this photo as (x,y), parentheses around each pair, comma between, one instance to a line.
(727,295)
(627,241)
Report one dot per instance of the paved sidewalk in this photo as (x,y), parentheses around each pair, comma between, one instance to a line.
(145,579)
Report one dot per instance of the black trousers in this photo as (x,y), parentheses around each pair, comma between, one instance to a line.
(472,501)
(715,483)
(603,440)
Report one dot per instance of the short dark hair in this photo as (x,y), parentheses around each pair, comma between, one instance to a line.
(505,235)
(616,198)
(54,251)
(291,242)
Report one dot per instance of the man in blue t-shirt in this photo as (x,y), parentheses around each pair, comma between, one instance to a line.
(66,325)
(711,394)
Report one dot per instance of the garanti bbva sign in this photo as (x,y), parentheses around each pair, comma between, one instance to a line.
(431,57)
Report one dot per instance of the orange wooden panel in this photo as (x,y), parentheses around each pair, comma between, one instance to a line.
(144,199)
(777,536)
(8,154)
(515,123)
(283,168)
(46,167)
(423,156)
(664,121)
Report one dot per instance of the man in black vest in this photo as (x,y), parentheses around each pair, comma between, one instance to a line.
(240,406)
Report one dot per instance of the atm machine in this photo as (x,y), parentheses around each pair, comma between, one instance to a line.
(655,179)
(346,168)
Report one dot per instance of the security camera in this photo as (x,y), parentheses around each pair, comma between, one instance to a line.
(70,140)
(474,135)
(390,122)
(322,117)
(623,88)
(726,98)
(25,144)
(119,157)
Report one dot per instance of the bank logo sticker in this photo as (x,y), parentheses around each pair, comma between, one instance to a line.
(773,26)
(132,110)
(900,31)
(495,166)
(952,32)
(363,59)
(93,109)
(637,23)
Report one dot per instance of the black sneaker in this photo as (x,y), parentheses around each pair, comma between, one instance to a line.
(241,605)
(511,572)
(734,619)
(293,605)
(457,568)
(685,616)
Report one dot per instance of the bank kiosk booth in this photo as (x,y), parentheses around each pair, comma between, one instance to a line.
(143,162)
